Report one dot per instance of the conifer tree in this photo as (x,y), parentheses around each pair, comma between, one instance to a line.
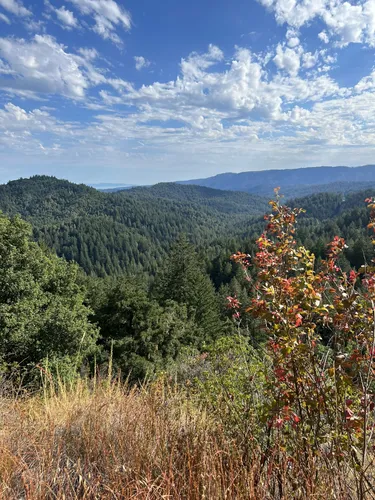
(142,335)
(183,280)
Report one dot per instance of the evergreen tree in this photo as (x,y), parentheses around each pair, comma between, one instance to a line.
(183,280)
(142,335)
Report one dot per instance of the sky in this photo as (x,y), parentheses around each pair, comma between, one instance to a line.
(139,91)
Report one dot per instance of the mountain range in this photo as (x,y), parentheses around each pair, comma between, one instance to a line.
(293,182)
(109,233)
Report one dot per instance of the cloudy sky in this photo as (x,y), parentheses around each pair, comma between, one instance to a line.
(140,91)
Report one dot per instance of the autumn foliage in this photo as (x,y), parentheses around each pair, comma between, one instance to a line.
(320,328)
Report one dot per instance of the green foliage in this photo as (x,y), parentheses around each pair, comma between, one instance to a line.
(129,231)
(231,383)
(142,335)
(41,305)
(183,281)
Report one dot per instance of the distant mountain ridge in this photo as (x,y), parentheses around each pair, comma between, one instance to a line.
(293,182)
(111,187)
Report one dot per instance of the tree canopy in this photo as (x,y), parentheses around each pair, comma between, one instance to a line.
(42,313)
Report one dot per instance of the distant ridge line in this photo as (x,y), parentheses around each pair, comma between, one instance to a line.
(262,182)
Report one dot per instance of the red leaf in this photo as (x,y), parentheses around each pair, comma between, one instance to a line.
(298,320)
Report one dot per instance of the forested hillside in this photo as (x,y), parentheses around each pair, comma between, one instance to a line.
(165,253)
(109,233)
(132,231)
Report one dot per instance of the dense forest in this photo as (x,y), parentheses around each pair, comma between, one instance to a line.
(112,233)
(145,273)
(141,294)
(132,231)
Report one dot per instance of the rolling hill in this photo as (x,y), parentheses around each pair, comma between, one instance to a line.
(132,230)
(301,181)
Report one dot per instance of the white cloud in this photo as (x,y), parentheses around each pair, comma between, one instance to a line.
(293,42)
(295,13)
(16,7)
(366,83)
(141,62)
(107,14)
(200,89)
(24,130)
(202,98)
(348,22)
(14,118)
(309,59)
(292,38)
(193,66)
(88,53)
(33,26)
(66,17)
(4,18)
(288,59)
(323,37)
(42,66)
(217,110)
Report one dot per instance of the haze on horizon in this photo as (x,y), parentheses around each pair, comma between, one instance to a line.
(138,92)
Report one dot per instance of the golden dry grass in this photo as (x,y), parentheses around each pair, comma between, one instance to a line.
(111,442)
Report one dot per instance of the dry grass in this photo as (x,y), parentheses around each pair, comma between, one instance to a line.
(109,442)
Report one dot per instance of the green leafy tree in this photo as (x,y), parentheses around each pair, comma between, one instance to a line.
(41,305)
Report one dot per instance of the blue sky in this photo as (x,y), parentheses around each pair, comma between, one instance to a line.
(138,91)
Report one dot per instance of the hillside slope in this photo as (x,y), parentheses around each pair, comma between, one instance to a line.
(108,233)
(222,201)
(132,230)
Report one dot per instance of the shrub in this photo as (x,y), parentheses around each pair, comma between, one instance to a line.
(319,399)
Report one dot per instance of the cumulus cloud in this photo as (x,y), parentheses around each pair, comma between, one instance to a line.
(108,16)
(199,86)
(13,117)
(293,42)
(141,62)
(204,94)
(237,101)
(323,37)
(217,108)
(25,131)
(348,22)
(295,13)
(16,7)
(292,37)
(309,59)
(42,66)
(288,60)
